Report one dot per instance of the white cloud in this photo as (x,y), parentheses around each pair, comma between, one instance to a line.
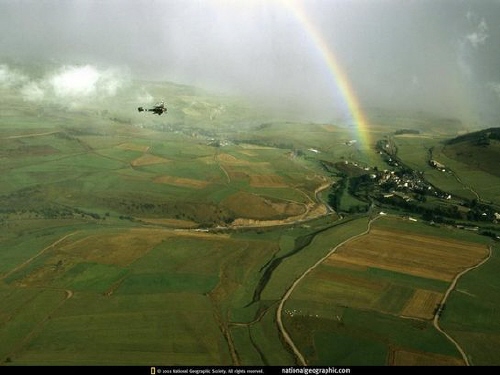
(74,81)
(462,57)
(478,37)
(472,17)
(144,97)
(82,83)
(495,87)
(32,92)
(474,39)
(9,77)
(85,81)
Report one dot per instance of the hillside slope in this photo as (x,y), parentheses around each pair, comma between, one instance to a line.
(479,149)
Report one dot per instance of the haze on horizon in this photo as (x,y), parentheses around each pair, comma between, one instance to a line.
(429,55)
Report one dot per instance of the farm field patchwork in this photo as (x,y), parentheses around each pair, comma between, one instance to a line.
(128,296)
(416,255)
(471,312)
(401,276)
(134,240)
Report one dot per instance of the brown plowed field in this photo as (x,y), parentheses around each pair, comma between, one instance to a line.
(418,255)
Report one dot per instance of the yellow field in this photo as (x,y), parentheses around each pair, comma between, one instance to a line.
(227,158)
(257,207)
(148,159)
(403,252)
(249,153)
(422,304)
(406,358)
(122,248)
(330,128)
(182,182)
(266,181)
(424,256)
(236,175)
(115,248)
(133,147)
(345,264)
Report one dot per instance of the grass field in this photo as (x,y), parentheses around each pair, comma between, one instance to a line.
(137,240)
(470,170)
(97,168)
(477,182)
(398,275)
(471,311)
(415,255)
(164,287)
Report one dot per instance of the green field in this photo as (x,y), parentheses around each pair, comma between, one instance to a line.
(361,311)
(136,240)
(470,315)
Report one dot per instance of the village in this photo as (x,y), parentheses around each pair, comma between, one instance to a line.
(403,189)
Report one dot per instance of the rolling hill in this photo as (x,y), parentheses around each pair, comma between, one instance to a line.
(480,149)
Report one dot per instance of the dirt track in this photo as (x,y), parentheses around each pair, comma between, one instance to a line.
(450,289)
(279,310)
(37,255)
(32,135)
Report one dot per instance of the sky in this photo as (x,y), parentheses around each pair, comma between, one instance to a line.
(440,56)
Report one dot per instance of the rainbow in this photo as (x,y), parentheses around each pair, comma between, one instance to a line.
(338,75)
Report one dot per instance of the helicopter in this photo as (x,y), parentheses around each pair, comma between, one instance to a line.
(157,109)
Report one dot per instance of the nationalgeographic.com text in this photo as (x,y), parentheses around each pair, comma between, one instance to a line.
(313,370)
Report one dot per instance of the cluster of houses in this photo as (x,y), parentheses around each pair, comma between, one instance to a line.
(403,182)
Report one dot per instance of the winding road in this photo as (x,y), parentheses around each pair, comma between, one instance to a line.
(450,289)
(32,135)
(300,358)
(37,255)
(69,294)
(285,297)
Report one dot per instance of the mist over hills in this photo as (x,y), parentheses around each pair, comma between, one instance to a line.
(80,86)
(439,57)
(116,91)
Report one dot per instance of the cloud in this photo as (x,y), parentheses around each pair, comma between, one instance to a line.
(10,78)
(462,59)
(144,96)
(32,92)
(479,35)
(85,82)
(471,16)
(75,81)
(473,39)
(268,51)
(495,87)
(71,82)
